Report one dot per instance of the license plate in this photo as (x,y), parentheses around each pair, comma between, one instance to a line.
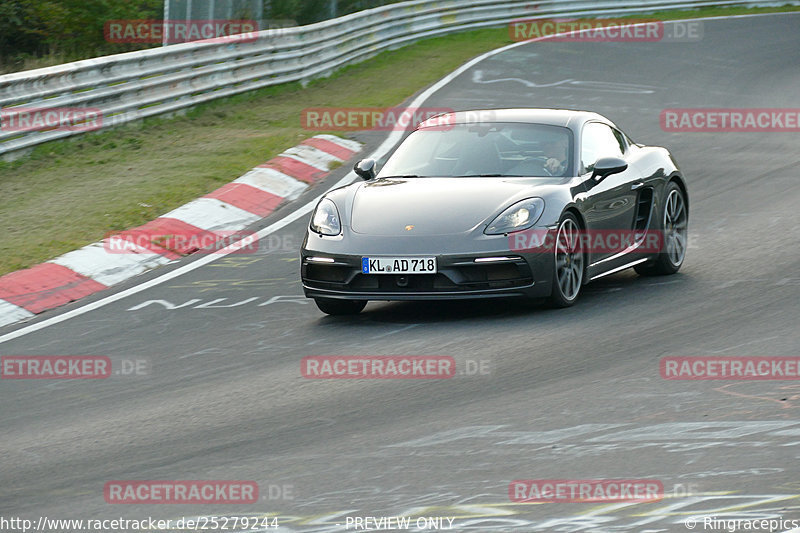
(398,265)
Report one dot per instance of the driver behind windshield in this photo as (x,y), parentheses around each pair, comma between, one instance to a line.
(556,153)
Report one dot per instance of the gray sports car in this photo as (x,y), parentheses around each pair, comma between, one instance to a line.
(493,203)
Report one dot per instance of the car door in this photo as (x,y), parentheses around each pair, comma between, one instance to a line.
(610,203)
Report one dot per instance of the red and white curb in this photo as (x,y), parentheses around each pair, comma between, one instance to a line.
(231,208)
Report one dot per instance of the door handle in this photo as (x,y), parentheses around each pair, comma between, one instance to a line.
(637,185)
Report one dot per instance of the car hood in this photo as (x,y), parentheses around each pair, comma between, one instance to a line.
(434,206)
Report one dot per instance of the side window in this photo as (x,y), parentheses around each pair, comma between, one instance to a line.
(598,140)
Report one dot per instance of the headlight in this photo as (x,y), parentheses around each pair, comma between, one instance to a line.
(519,216)
(326,218)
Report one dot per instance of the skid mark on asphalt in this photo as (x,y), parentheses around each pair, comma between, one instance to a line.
(235,262)
(207,285)
(207,351)
(746,472)
(382,335)
(748,343)
(788,396)
(678,437)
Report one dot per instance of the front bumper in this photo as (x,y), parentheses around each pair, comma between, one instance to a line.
(328,273)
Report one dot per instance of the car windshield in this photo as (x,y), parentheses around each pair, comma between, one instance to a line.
(484,149)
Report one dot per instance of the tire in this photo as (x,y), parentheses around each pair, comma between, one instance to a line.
(331,306)
(674,227)
(569,263)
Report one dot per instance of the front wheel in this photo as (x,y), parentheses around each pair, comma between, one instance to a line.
(568,263)
(674,230)
(332,306)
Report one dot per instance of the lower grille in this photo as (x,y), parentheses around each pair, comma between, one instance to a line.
(466,277)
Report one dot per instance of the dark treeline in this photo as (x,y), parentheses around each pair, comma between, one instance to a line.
(68,30)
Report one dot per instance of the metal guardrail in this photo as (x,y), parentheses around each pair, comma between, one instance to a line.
(134,85)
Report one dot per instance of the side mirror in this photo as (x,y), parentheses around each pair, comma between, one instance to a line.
(365,169)
(605,166)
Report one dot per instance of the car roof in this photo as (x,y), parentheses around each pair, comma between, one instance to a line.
(567,118)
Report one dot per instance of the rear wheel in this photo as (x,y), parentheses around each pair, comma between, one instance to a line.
(331,306)
(568,263)
(675,220)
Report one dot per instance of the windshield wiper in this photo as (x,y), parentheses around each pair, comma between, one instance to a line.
(401,177)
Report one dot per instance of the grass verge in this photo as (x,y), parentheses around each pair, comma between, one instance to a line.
(70,193)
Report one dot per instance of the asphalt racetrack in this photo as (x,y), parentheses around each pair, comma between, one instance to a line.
(563,394)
